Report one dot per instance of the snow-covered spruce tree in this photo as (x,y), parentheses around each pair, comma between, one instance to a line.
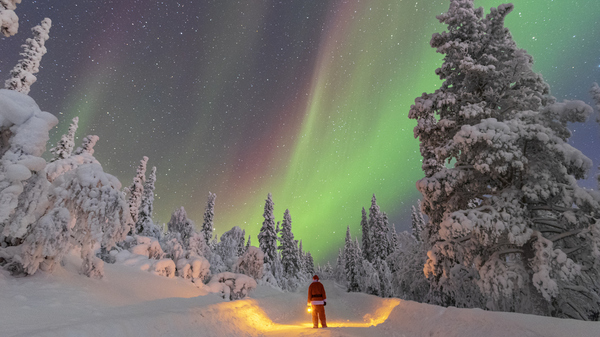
(595,91)
(276,269)
(9,21)
(417,222)
(82,155)
(23,188)
(394,238)
(379,238)
(301,261)
(310,264)
(369,281)
(366,235)
(339,272)
(197,246)
(229,246)
(267,237)
(217,265)
(352,260)
(328,271)
(385,277)
(406,266)
(136,192)
(241,246)
(500,192)
(248,244)
(87,145)
(251,263)
(173,246)
(145,226)
(325,272)
(22,74)
(65,145)
(87,205)
(209,215)
(289,253)
(381,248)
(180,224)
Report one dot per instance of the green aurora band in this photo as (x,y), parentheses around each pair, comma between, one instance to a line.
(345,138)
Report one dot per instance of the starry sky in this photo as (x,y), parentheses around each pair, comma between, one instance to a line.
(305,99)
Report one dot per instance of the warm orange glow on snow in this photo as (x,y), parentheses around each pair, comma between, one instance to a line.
(378,317)
(257,319)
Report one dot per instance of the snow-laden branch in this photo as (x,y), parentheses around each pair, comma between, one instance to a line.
(9,21)
(22,74)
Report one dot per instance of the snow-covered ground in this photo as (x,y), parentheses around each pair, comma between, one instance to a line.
(132,302)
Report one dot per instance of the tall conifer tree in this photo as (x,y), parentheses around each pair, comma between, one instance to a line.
(288,248)
(267,237)
(500,187)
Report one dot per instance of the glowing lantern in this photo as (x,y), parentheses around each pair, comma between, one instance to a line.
(309,308)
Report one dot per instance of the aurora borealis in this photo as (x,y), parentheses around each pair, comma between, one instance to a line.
(305,99)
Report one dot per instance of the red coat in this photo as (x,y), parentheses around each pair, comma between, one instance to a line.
(316,293)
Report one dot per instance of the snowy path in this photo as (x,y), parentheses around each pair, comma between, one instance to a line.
(130,302)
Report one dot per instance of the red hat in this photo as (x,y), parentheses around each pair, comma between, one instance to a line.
(315,277)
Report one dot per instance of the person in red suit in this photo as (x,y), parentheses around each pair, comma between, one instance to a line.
(318,299)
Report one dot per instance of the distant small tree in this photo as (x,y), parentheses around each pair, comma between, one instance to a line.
(381,239)
(229,246)
(180,224)
(300,254)
(328,271)
(288,248)
(136,192)
(352,259)
(267,237)
(417,222)
(366,235)
(394,240)
(65,145)
(145,225)
(248,244)
(22,74)
(310,264)
(372,224)
(339,271)
(209,215)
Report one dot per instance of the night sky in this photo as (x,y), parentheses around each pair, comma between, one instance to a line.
(306,99)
